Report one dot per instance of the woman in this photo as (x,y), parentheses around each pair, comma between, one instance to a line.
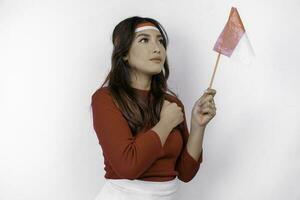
(142,129)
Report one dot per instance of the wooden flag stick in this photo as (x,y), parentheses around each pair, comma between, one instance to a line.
(215,68)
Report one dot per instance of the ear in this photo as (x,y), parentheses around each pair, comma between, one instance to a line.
(125,58)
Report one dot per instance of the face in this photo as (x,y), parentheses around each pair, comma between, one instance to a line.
(146,45)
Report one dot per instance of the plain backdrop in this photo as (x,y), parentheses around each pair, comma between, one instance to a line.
(55,54)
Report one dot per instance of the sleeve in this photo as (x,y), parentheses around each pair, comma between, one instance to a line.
(128,156)
(186,166)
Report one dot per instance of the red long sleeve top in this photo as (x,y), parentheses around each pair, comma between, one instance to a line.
(141,156)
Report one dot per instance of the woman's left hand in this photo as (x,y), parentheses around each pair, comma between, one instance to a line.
(204,109)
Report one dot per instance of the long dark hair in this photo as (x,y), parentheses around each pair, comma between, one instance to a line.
(139,114)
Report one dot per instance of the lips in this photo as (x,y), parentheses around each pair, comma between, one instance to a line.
(156,59)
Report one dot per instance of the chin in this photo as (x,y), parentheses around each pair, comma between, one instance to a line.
(157,69)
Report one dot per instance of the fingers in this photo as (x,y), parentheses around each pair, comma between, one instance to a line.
(208,98)
(207,110)
(210,91)
(173,103)
(208,105)
(166,102)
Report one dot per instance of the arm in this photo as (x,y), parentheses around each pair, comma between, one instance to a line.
(128,156)
(195,141)
(163,130)
(190,158)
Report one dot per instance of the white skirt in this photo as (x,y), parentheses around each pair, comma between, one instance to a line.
(125,189)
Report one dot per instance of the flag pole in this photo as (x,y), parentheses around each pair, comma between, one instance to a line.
(215,68)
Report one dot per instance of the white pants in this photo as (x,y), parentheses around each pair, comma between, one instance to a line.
(125,189)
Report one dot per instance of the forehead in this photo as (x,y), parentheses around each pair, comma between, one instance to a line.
(148,33)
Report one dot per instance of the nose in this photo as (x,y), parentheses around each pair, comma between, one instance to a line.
(156,49)
(155,46)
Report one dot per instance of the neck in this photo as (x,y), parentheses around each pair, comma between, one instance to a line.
(141,82)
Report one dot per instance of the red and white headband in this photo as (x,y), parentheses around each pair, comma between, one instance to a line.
(145,26)
(140,27)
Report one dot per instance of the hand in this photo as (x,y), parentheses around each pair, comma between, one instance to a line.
(204,109)
(171,114)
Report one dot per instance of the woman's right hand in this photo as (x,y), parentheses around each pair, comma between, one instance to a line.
(171,114)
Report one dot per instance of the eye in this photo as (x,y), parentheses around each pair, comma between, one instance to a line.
(143,39)
(161,41)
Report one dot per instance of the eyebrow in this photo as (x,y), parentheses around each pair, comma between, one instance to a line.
(147,35)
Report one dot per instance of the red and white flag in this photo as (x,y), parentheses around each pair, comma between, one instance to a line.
(233,41)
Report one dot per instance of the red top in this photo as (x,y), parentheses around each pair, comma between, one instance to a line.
(141,156)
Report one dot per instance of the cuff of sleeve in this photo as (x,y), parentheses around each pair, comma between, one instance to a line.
(191,159)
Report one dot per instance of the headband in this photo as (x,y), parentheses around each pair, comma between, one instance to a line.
(145,26)
(140,27)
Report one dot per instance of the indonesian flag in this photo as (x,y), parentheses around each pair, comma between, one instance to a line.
(233,41)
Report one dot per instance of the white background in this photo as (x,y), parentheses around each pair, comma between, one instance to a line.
(55,54)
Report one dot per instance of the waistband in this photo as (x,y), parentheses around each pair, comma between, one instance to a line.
(145,187)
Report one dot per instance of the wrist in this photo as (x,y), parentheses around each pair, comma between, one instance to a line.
(196,125)
(165,124)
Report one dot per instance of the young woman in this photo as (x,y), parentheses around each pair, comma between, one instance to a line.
(141,128)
